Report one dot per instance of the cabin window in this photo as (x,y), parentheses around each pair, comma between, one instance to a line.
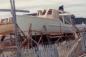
(4,21)
(10,20)
(43,13)
(50,12)
(73,19)
(39,12)
(67,20)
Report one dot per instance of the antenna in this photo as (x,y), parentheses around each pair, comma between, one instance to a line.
(9,10)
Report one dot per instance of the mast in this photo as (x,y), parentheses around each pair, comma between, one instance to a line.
(13,12)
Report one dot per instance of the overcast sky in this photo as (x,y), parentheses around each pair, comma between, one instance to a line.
(77,7)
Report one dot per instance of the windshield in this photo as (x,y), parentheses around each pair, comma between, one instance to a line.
(67,19)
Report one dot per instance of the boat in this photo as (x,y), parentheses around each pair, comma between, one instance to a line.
(54,21)
(48,24)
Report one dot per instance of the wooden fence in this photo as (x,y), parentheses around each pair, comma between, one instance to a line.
(40,51)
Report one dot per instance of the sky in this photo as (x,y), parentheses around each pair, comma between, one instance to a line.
(77,7)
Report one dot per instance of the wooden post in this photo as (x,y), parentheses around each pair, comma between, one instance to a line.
(30,35)
(83,41)
(45,31)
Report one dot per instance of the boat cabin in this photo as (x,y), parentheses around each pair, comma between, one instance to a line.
(50,13)
(65,17)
